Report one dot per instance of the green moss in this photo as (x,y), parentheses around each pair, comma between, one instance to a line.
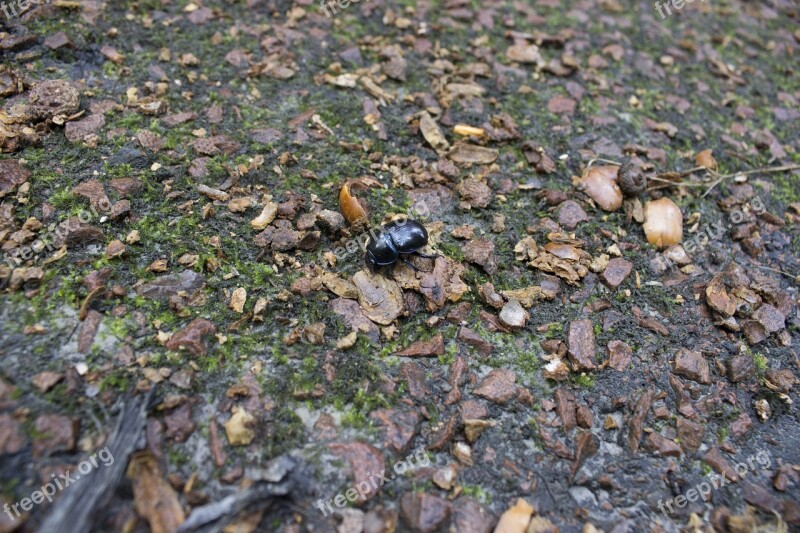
(477,492)
(554,330)
(761,363)
(583,380)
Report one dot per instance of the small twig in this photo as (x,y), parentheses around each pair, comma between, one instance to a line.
(670,182)
(719,178)
(610,162)
(795,278)
(680,174)
(764,170)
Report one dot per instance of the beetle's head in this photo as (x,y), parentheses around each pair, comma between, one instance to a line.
(370,261)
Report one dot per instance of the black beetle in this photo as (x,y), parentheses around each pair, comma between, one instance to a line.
(403,237)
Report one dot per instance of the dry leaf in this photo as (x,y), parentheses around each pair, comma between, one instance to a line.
(350,207)
(236,428)
(154,498)
(432,133)
(472,154)
(380,298)
(266,217)
(706,159)
(238,298)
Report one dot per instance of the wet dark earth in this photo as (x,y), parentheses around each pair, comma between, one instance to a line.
(605,339)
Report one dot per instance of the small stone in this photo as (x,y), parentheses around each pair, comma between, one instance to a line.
(163,287)
(77,131)
(488,294)
(44,381)
(364,461)
(348,341)
(565,407)
(191,337)
(619,355)
(514,315)
(12,435)
(498,386)
(424,513)
(57,433)
(692,365)
(770,317)
(636,423)
(570,214)
(690,433)
(463,453)
(469,515)
(475,193)
(445,477)
(483,347)
(581,344)
(57,40)
(52,98)
(115,249)
(740,368)
(763,409)
(741,426)
(663,446)
(615,273)
(330,221)
(584,417)
(12,175)
(430,348)
(780,380)
(481,252)
(715,459)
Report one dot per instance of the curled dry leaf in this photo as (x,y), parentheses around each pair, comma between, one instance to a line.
(706,159)
(154,498)
(600,184)
(266,217)
(663,223)
(350,207)
(432,133)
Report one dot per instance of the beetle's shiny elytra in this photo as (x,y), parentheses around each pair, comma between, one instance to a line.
(393,239)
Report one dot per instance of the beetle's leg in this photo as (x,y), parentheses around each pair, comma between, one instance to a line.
(410,264)
(426,256)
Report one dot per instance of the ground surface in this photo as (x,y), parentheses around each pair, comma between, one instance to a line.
(202,148)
